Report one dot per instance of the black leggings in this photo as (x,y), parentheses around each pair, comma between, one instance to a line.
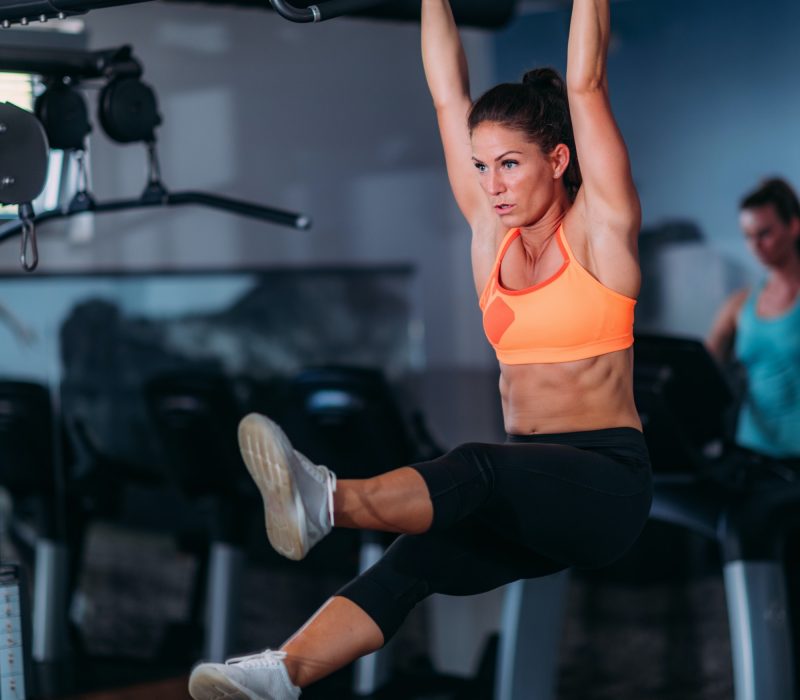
(528,508)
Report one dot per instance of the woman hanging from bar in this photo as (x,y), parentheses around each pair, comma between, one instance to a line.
(554,258)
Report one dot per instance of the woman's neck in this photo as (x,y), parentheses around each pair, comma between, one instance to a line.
(540,231)
(787,275)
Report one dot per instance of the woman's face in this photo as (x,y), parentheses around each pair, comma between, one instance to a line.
(772,240)
(520,181)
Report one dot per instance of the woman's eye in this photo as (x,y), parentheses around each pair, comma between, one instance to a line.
(508,164)
(481,167)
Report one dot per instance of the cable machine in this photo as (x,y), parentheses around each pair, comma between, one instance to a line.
(127,112)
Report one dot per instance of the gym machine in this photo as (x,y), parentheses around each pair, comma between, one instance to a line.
(128,110)
(128,113)
(23,169)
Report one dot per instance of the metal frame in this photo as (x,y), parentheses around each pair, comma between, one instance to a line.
(761,639)
(225,569)
(27,11)
(79,65)
(74,63)
(530,636)
(323,11)
(159,197)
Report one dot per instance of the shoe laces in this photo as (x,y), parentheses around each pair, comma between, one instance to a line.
(262,659)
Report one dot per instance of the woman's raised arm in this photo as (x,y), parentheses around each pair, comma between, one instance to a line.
(608,193)
(448,80)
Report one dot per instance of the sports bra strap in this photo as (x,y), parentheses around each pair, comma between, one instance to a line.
(498,258)
(564,244)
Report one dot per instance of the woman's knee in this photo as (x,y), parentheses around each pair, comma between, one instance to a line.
(460,483)
(390,589)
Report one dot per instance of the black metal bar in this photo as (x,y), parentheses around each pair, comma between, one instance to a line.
(478,13)
(292,13)
(213,201)
(235,206)
(322,11)
(60,62)
(25,11)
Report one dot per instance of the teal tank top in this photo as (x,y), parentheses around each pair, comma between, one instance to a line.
(769,349)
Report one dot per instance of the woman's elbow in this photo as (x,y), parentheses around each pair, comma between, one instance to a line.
(585,85)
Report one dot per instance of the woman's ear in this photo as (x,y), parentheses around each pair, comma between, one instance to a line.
(559,160)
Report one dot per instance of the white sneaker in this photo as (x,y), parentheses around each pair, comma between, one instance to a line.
(298,494)
(258,677)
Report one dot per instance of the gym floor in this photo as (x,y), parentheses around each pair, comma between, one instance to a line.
(629,635)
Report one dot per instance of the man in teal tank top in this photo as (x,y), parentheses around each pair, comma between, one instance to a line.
(760,327)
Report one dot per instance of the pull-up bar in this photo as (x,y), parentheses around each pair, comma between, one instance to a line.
(27,11)
(488,14)
(323,11)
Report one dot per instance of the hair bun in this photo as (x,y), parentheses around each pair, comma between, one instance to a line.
(543,78)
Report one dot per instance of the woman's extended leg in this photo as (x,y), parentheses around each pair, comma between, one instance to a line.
(465,559)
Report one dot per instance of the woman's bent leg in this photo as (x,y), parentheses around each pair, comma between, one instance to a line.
(402,500)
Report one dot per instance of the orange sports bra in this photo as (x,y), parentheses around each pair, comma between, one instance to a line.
(571,316)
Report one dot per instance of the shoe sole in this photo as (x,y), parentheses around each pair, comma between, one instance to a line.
(267,454)
(210,684)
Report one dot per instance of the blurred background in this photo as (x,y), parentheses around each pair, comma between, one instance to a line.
(335,121)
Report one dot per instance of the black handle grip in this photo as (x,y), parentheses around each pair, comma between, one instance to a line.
(323,11)
(237,206)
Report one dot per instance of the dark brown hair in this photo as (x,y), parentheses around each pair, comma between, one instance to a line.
(538,108)
(779,194)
